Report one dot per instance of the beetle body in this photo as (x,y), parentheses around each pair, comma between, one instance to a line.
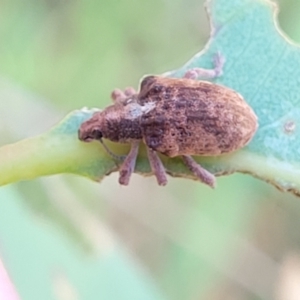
(192,117)
(175,117)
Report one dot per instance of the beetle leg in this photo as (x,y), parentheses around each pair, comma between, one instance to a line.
(217,71)
(157,167)
(205,176)
(128,164)
(119,96)
(129,91)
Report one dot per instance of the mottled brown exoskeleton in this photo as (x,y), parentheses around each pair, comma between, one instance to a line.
(175,117)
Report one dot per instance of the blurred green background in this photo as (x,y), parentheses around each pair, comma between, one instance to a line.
(65,237)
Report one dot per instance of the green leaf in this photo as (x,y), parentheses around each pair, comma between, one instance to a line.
(261,64)
(56,266)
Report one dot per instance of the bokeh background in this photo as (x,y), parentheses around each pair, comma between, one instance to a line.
(65,237)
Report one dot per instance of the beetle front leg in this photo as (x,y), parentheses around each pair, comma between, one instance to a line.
(128,165)
(205,176)
(217,71)
(157,167)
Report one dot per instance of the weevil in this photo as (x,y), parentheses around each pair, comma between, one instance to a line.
(175,117)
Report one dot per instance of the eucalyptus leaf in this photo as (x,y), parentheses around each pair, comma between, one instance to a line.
(261,64)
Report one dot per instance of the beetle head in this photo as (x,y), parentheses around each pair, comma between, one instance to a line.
(91,129)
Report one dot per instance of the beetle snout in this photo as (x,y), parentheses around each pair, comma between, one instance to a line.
(84,136)
(89,135)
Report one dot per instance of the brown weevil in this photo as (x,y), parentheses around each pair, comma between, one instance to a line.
(175,117)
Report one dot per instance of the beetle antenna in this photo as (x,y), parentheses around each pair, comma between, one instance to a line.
(114,156)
